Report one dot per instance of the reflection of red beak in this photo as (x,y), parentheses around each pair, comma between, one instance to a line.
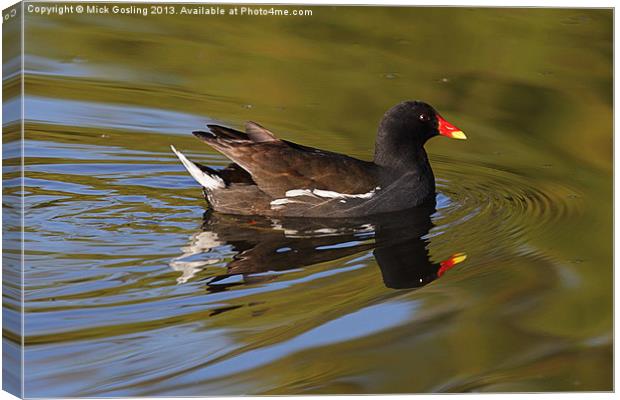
(450,262)
(447,129)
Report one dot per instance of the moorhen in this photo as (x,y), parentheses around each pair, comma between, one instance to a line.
(275,177)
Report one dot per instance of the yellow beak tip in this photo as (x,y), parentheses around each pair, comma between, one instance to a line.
(459,257)
(458,135)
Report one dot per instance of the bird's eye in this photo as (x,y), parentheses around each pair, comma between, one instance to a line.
(424,117)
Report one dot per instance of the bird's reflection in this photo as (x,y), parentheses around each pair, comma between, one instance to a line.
(264,244)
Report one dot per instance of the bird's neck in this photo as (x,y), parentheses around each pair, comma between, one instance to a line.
(399,156)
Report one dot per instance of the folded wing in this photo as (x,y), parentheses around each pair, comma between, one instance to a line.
(278,166)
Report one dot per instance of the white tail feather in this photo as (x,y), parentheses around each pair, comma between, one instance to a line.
(206,180)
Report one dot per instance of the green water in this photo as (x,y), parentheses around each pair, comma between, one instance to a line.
(130,290)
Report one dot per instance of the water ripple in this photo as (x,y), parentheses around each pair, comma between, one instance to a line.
(503,206)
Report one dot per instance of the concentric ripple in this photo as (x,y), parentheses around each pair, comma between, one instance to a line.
(503,206)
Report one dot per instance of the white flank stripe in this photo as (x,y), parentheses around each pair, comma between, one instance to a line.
(278,202)
(207,181)
(298,192)
(336,195)
(330,194)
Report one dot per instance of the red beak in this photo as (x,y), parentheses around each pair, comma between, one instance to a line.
(446,265)
(447,129)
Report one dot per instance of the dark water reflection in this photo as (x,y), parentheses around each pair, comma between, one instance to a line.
(264,245)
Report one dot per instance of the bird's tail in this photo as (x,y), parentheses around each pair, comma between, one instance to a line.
(208,178)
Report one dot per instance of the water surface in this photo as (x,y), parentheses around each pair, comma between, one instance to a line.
(132,288)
